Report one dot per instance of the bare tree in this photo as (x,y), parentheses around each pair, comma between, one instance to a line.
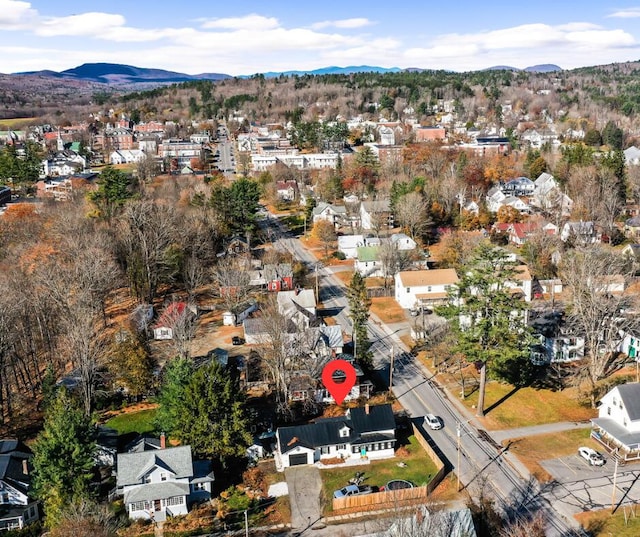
(231,277)
(146,232)
(411,212)
(599,310)
(393,260)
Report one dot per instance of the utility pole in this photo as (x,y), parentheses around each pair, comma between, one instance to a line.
(393,349)
(613,490)
(317,287)
(458,434)
(246,524)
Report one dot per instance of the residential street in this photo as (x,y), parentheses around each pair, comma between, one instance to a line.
(484,468)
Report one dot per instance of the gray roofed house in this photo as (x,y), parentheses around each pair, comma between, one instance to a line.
(617,426)
(17,509)
(160,482)
(363,432)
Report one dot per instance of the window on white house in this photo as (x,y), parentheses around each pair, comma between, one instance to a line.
(341,447)
(163,476)
(408,289)
(176,500)
(198,486)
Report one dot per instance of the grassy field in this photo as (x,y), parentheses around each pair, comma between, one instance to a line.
(387,309)
(133,422)
(344,276)
(533,449)
(17,123)
(419,470)
(604,524)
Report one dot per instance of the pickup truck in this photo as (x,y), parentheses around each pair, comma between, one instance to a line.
(353,490)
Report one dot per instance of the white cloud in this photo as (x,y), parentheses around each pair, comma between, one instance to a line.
(93,23)
(251,22)
(628,13)
(347,24)
(16,15)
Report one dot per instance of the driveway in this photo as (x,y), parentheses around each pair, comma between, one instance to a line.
(582,487)
(304,495)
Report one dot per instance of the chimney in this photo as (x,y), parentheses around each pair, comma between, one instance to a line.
(366,409)
(25,467)
(163,441)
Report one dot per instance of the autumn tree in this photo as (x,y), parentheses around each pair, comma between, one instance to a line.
(508,215)
(359,304)
(393,260)
(325,232)
(63,457)
(489,324)
(231,281)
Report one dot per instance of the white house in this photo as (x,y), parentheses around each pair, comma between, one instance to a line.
(349,244)
(17,509)
(424,288)
(617,426)
(362,433)
(520,186)
(298,305)
(581,232)
(368,262)
(403,242)
(162,482)
(632,156)
(126,156)
(376,214)
(175,315)
(329,213)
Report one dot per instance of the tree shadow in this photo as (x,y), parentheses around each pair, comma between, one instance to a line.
(501,400)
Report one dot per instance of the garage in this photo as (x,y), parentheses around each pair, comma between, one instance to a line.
(297,460)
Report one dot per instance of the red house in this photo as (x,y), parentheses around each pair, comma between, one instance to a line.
(279,277)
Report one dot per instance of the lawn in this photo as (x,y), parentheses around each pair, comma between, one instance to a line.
(133,422)
(344,276)
(603,523)
(419,469)
(387,309)
(533,449)
(527,406)
(17,123)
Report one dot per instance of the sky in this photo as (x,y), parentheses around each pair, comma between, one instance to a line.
(250,36)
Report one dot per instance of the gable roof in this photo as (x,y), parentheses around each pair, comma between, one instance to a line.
(132,466)
(13,453)
(421,278)
(362,426)
(630,395)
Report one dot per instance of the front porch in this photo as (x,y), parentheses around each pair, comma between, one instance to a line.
(616,439)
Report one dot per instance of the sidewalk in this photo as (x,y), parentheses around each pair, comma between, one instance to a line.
(533,430)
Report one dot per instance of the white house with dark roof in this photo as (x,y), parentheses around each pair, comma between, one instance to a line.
(363,432)
(329,213)
(617,426)
(158,483)
(17,509)
(632,156)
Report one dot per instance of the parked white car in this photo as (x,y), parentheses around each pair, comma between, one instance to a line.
(433,422)
(591,456)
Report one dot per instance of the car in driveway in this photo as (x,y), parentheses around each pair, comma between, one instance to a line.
(591,456)
(433,422)
(237,340)
(353,490)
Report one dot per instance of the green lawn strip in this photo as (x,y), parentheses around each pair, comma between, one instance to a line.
(133,422)
(603,523)
(419,470)
(528,406)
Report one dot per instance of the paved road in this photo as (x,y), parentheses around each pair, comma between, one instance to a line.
(226,163)
(484,468)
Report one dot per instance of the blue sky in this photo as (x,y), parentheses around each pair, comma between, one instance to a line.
(245,37)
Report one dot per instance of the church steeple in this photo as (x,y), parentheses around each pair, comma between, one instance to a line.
(60,141)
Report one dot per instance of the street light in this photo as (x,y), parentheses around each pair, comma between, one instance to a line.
(459,435)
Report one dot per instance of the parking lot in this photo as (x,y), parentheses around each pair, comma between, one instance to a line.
(582,487)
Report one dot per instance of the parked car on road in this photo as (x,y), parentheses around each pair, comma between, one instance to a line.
(237,340)
(433,422)
(591,456)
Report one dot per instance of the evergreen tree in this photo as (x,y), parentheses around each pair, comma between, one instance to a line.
(213,419)
(176,377)
(113,191)
(63,457)
(489,323)
(359,304)
(613,136)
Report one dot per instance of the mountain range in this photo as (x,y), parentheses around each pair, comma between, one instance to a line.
(116,74)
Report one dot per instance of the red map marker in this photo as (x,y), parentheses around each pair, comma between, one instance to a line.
(338,390)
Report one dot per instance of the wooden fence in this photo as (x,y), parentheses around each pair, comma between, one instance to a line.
(375,292)
(396,498)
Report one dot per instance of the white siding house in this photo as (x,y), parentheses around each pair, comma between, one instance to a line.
(617,426)
(423,287)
